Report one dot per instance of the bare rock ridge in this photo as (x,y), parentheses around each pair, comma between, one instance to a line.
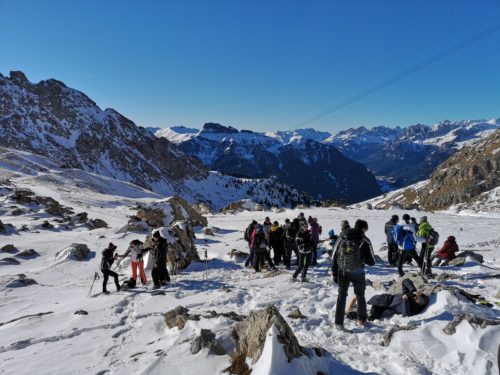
(464,178)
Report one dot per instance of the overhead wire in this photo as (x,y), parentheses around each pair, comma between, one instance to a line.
(398,76)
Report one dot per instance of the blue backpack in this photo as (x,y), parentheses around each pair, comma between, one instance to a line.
(398,233)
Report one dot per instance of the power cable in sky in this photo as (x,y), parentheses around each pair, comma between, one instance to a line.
(398,76)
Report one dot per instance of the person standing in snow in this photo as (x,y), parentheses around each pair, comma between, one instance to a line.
(446,253)
(392,246)
(305,246)
(248,238)
(407,246)
(315,232)
(277,242)
(107,261)
(423,235)
(291,230)
(259,245)
(159,249)
(352,251)
(135,250)
(302,219)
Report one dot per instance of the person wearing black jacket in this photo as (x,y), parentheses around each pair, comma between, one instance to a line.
(159,248)
(410,302)
(305,246)
(291,230)
(277,242)
(392,246)
(352,251)
(248,238)
(107,261)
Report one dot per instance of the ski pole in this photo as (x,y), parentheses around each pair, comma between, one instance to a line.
(206,264)
(96,277)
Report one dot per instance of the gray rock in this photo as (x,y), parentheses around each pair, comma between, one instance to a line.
(457,262)
(47,225)
(296,314)
(9,248)
(177,317)
(96,223)
(419,282)
(208,232)
(207,340)
(31,253)
(249,335)
(388,335)
(237,254)
(230,315)
(450,328)
(81,312)
(477,257)
(20,280)
(9,260)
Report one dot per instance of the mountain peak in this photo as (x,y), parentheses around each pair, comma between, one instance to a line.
(213,127)
(18,77)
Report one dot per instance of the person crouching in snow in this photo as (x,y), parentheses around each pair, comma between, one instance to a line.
(446,253)
(410,302)
(108,257)
(135,250)
(305,244)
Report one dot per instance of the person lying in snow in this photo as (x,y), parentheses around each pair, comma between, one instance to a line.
(410,302)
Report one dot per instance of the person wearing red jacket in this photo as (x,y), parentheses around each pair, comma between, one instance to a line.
(446,253)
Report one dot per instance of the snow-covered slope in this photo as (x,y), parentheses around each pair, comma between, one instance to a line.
(215,190)
(125,332)
(296,158)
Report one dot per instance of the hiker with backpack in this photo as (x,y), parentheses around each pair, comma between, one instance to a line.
(136,251)
(291,230)
(277,243)
(315,232)
(302,220)
(108,258)
(404,238)
(392,246)
(429,238)
(305,246)
(352,251)
(446,253)
(408,303)
(248,238)
(159,249)
(259,245)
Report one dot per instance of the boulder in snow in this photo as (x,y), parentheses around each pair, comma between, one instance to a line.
(96,223)
(207,340)
(9,260)
(237,254)
(296,314)
(31,253)
(9,248)
(249,335)
(18,281)
(177,317)
(76,251)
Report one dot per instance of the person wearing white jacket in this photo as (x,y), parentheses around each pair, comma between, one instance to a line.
(135,251)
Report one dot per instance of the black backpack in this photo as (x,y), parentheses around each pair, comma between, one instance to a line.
(349,255)
(433,238)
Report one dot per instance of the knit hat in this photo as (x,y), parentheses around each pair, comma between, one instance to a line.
(423,219)
(111,246)
(394,218)
(344,224)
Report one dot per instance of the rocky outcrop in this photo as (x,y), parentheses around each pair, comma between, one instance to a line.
(249,335)
(9,248)
(18,281)
(450,328)
(50,205)
(459,181)
(296,314)
(180,315)
(27,254)
(207,340)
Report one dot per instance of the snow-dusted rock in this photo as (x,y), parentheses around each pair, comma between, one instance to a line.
(249,335)
(9,248)
(76,251)
(30,253)
(450,328)
(207,340)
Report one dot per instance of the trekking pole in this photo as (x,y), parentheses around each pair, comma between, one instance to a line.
(96,277)
(206,265)
(460,230)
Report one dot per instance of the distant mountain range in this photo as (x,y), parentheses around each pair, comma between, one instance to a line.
(293,158)
(396,156)
(63,124)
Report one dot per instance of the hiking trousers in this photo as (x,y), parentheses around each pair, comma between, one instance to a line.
(425,257)
(258,260)
(156,274)
(290,246)
(142,274)
(304,262)
(392,253)
(402,257)
(106,274)
(359,283)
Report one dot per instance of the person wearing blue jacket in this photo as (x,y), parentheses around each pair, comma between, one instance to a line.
(410,302)
(408,248)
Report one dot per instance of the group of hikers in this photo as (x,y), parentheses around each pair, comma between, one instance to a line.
(351,251)
(136,251)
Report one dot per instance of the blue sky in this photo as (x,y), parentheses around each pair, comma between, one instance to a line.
(262,65)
